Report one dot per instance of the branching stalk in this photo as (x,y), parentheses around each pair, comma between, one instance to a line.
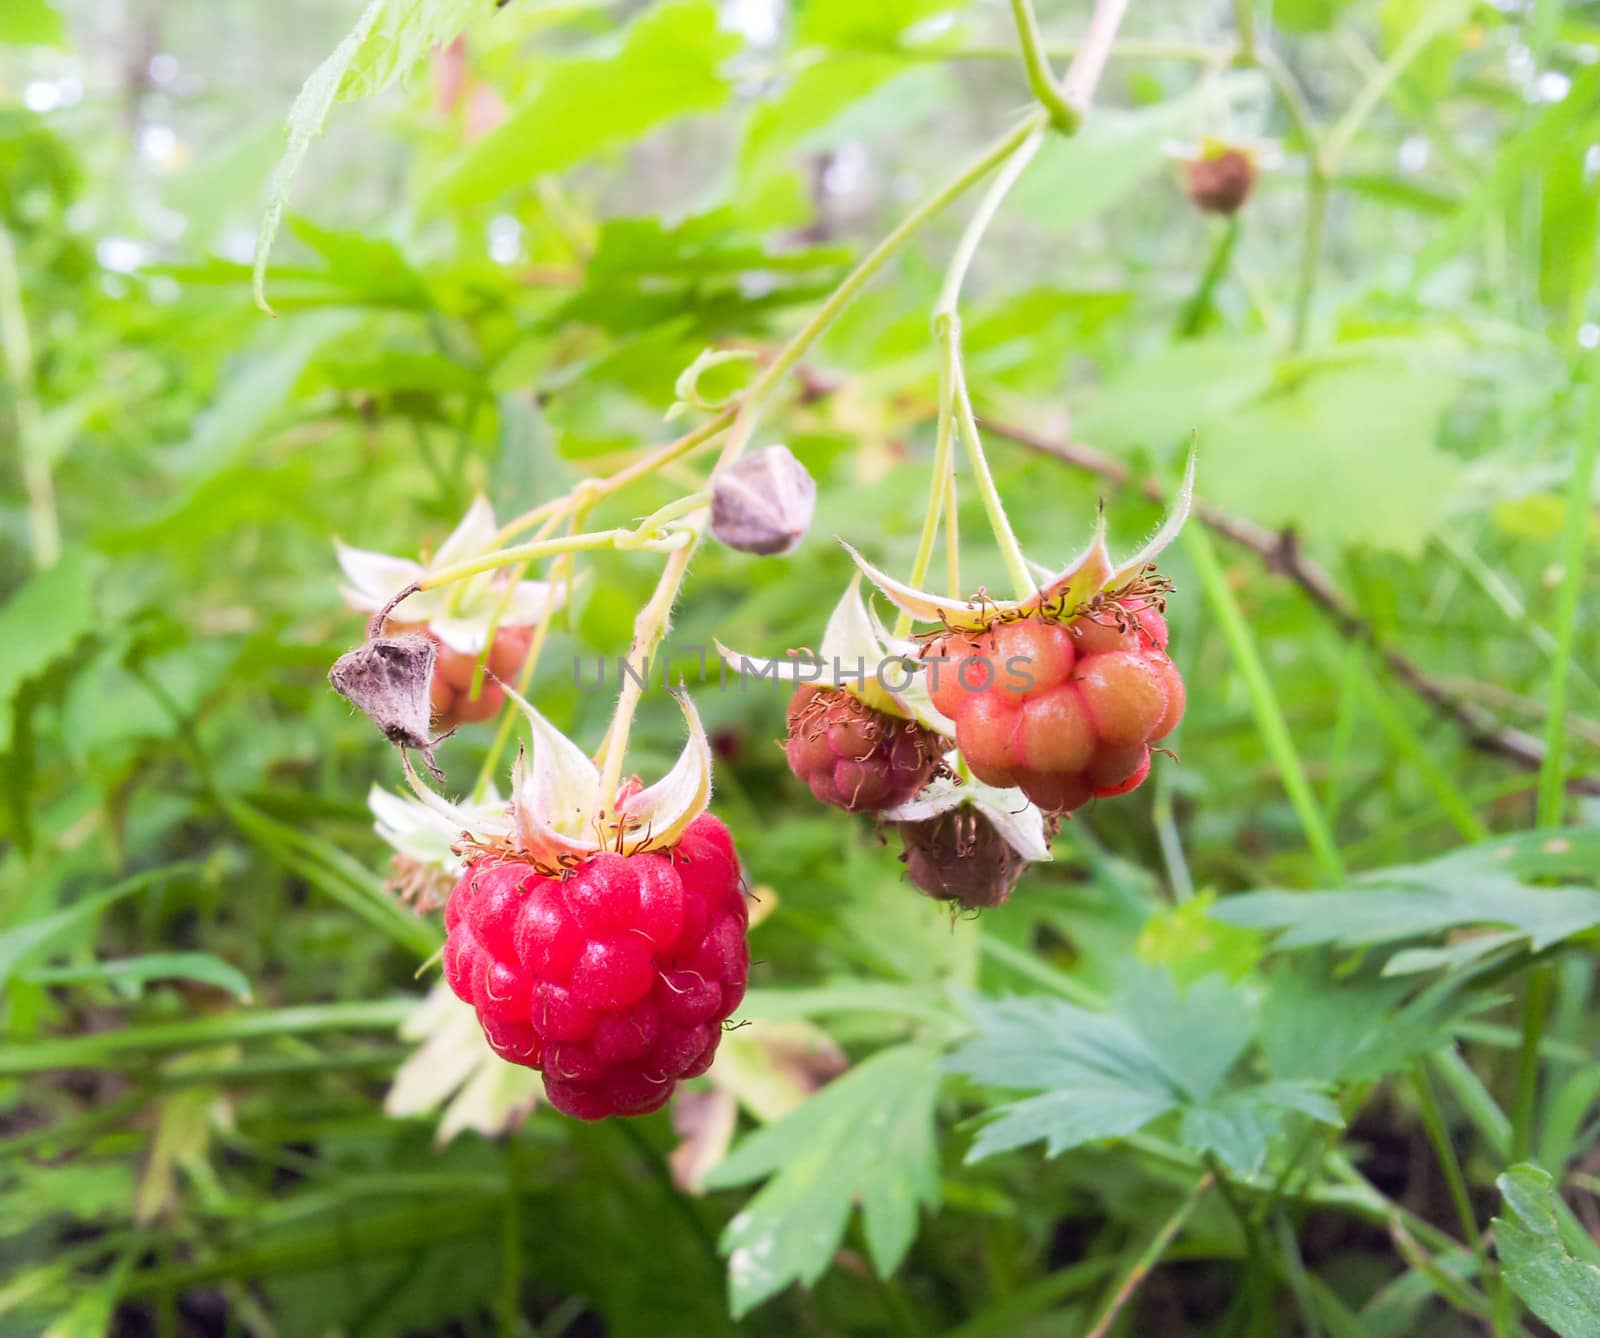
(1041,79)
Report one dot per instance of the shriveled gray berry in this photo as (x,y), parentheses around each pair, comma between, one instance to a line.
(388,679)
(763,503)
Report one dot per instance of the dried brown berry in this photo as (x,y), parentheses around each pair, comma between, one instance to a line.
(763,503)
(389,679)
(1220,181)
(959,856)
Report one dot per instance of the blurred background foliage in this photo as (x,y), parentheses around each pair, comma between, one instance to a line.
(491,270)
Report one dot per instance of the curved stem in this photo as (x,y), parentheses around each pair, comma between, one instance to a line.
(651,625)
(749,413)
(1005,538)
(937,490)
(1041,79)
(649,629)
(592,490)
(505,557)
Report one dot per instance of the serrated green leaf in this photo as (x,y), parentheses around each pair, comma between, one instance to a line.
(1320,1030)
(866,1138)
(1198,1033)
(40,624)
(1238,1127)
(1562,1291)
(390,36)
(1484,884)
(669,65)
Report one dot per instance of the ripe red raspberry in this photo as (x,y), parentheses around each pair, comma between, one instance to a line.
(1066,711)
(614,978)
(451,689)
(959,856)
(853,756)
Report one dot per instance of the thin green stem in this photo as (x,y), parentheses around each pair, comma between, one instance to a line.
(938,488)
(946,328)
(1023,584)
(1244,20)
(506,557)
(1525,1094)
(1310,259)
(1445,1150)
(1193,316)
(978,225)
(1264,703)
(37,484)
(1149,1257)
(651,625)
(1579,517)
(750,406)
(1041,79)
(1418,35)
(649,629)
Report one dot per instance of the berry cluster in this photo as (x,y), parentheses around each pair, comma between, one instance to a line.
(450,692)
(1064,710)
(615,977)
(853,756)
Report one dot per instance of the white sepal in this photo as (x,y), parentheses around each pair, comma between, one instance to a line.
(474,534)
(471,820)
(555,793)
(453,1066)
(914,699)
(919,603)
(1168,530)
(421,832)
(1014,817)
(658,815)
(374,578)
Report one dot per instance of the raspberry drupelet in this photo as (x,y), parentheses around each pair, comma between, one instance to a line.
(1066,711)
(614,977)
(853,756)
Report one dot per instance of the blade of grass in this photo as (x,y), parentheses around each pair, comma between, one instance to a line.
(1274,729)
(100,1048)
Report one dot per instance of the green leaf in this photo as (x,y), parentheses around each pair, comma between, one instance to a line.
(389,37)
(1347,456)
(848,23)
(1102,1078)
(867,1138)
(527,467)
(1074,178)
(255,391)
(1238,1127)
(1306,16)
(1484,884)
(1158,401)
(669,65)
(129,975)
(33,937)
(1562,1291)
(1198,1033)
(40,624)
(31,23)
